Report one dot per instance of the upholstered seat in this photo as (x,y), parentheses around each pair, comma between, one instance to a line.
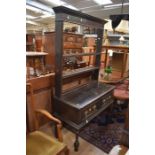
(121,94)
(39,143)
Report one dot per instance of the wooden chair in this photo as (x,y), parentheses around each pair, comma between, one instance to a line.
(39,143)
(122,93)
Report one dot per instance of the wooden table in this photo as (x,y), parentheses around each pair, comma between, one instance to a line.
(112,81)
(123,49)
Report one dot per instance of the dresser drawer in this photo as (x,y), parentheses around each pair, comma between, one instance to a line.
(97,106)
(69,38)
(69,45)
(79,39)
(78,45)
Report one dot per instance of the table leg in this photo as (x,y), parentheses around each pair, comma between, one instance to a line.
(106,57)
(34,64)
(43,65)
(124,65)
(127,118)
(76,143)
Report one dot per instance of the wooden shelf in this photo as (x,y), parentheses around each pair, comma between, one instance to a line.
(34,53)
(118,35)
(80,54)
(109,35)
(125,48)
(41,76)
(29,44)
(75,72)
(114,52)
(72,47)
(111,81)
(90,35)
(72,33)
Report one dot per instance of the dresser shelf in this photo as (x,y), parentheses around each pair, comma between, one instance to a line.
(35,53)
(67,74)
(80,54)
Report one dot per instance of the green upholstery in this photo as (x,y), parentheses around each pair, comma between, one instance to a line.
(39,143)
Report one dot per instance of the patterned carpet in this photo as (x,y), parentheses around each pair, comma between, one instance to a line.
(103,133)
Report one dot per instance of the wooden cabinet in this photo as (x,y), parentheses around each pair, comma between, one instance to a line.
(49,47)
(34,42)
(42,85)
(88,97)
(35,64)
(30,45)
(90,40)
(39,42)
(72,43)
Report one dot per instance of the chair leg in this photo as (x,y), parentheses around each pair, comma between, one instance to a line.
(67,151)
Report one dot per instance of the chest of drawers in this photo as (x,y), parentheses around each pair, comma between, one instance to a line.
(81,105)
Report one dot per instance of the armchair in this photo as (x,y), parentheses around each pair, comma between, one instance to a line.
(39,143)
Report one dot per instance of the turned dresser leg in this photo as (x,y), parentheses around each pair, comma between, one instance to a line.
(76,143)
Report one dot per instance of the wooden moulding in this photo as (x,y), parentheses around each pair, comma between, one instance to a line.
(123,48)
(43,82)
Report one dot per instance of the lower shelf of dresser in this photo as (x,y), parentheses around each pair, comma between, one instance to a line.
(78,126)
(79,115)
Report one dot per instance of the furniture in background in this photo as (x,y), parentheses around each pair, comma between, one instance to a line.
(78,105)
(119,150)
(114,38)
(121,94)
(42,79)
(119,62)
(120,58)
(72,44)
(30,42)
(34,42)
(42,94)
(90,40)
(39,143)
(90,58)
(39,42)
(35,63)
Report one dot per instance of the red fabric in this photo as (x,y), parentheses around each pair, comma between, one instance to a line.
(121,91)
(126,82)
(122,87)
(121,94)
